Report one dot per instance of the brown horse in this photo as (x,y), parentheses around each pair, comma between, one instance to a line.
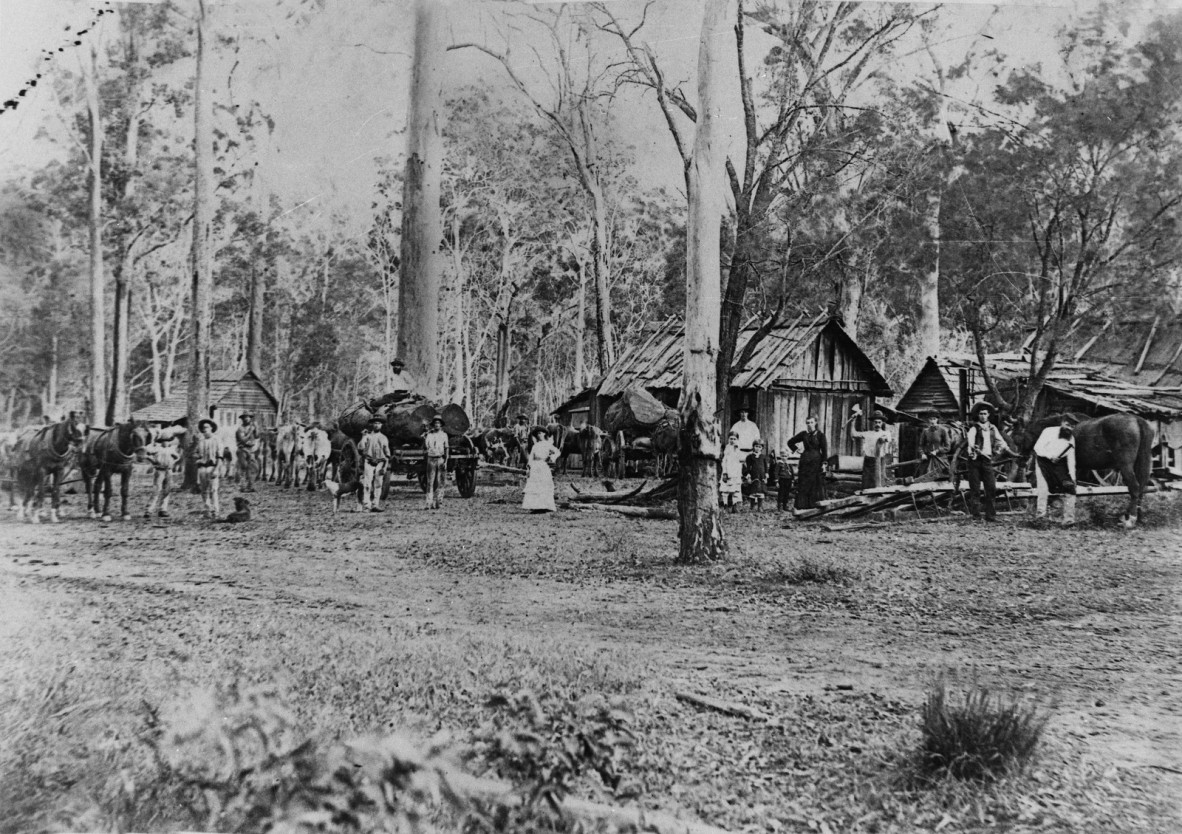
(106,452)
(1118,442)
(46,454)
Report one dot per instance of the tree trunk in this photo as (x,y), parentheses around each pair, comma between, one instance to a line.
(853,288)
(928,320)
(731,321)
(118,404)
(502,368)
(599,262)
(581,331)
(54,364)
(422,219)
(700,528)
(202,285)
(254,334)
(98,318)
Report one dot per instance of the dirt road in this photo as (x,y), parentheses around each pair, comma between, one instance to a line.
(1084,621)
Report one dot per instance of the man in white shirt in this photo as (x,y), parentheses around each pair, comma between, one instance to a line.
(877,448)
(747,430)
(436,445)
(374,449)
(1054,473)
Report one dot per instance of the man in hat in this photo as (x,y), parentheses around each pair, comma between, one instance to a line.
(400,382)
(935,443)
(521,433)
(374,449)
(877,447)
(983,443)
(207,452)
(436,446)
(747,430)
(246,438)
(1054,472)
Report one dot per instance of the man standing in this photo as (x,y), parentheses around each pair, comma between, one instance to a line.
(1054,474)
(935,443)
(437,450)
(521,433)
(375,453)
(747,430)
(877,446)
(246,438)
(983,442)
(206,453)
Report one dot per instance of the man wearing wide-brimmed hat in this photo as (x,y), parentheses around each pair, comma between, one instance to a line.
(1054,473)
(207,452)
(983,443)
(246,438)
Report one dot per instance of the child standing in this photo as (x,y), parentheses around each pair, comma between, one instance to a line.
(755,476)
(730,486)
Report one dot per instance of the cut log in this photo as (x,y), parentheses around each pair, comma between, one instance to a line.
(727,707)
(838,503)
(636,409)
(604,497)
(628,510)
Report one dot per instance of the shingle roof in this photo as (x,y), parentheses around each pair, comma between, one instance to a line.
(176,404)
(657,361)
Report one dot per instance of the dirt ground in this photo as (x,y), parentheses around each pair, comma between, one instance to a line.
(1085,622)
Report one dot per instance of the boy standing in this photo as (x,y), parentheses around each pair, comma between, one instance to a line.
(436,447)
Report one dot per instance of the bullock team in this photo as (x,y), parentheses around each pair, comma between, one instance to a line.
(37,460)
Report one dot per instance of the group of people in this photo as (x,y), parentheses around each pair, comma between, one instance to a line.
(208,454)
(746,471)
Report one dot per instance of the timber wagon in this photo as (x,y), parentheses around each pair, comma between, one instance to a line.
(405,420)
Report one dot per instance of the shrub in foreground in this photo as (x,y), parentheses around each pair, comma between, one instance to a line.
(979,738)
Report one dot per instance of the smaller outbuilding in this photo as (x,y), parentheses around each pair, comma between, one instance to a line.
(231,394)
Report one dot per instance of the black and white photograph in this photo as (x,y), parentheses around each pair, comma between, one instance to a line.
(675,416)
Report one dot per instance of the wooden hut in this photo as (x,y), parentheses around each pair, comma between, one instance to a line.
(807,366)
(231,394)
(576,412)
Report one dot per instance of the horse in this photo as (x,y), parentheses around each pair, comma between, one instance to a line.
(106,452)
(11,443)
(266,454)
(492,445)
(564,440)
(48,453)
(1119,442)
(591,449)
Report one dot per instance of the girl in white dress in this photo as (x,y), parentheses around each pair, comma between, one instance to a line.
(539,487)
(730,485)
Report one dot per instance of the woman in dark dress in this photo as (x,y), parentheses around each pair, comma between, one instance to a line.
(810,474)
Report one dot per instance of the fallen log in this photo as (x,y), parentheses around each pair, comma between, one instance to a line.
(726,707)
(625,509)
(604,497)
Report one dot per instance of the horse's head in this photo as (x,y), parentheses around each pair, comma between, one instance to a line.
(141,437)
(74,429)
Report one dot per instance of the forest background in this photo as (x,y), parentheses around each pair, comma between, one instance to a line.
(964,177)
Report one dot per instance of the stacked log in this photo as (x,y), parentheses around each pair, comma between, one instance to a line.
(405,421)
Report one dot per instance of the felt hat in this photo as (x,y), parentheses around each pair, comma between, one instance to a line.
(878,415)
(1069,417)
(437,419)
(245,415)
(979,407)
(375,421)
(205,420)
(522,417)
(928,413)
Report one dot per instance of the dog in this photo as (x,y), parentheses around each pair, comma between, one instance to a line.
(340,490)
(241,511)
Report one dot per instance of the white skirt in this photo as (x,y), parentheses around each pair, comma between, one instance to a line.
(539,487)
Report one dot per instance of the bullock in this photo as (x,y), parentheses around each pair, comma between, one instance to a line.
(288,448)
(316,448)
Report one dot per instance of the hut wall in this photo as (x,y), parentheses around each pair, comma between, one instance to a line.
(247,395)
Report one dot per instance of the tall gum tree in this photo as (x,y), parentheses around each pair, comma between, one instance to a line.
(701,537)
(423,262)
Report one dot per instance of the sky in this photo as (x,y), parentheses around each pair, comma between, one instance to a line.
(337,88)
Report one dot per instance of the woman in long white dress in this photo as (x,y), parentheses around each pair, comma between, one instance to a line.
(539,486)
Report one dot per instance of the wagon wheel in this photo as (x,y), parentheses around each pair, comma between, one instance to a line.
(466,481)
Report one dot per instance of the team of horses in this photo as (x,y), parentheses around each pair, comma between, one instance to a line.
(37,459)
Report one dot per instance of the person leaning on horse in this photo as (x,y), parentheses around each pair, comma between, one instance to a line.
(246,438)
(983,443)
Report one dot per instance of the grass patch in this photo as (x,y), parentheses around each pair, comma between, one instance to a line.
(815,572)
(978,739)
